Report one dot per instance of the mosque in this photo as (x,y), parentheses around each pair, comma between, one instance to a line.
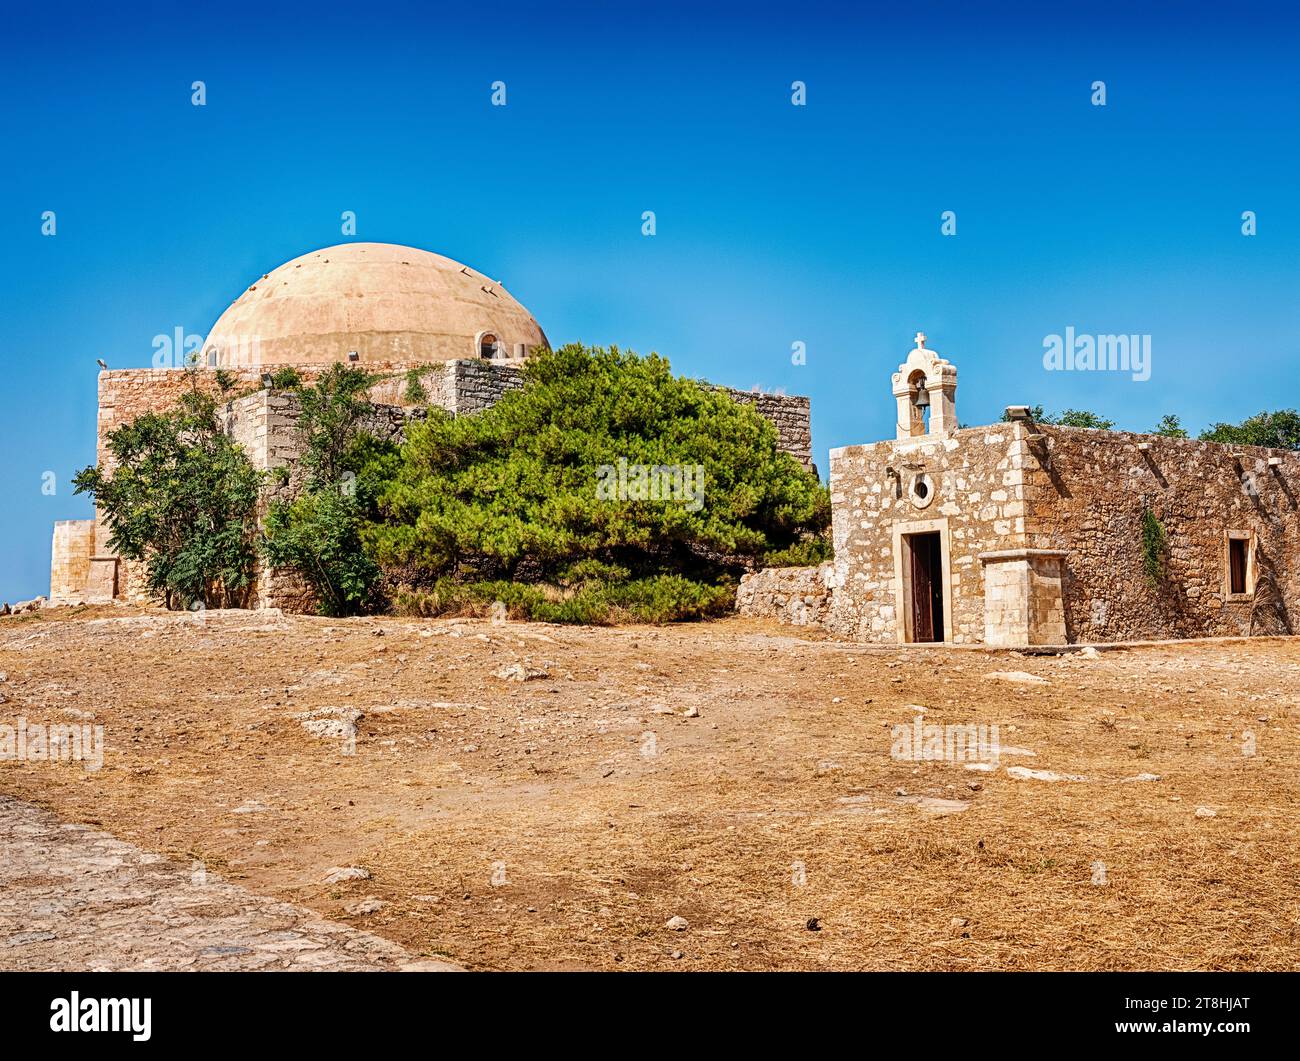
(389,309)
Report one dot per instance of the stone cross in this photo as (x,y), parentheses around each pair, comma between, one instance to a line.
(920,340)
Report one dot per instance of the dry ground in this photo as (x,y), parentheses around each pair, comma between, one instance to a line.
(558,823)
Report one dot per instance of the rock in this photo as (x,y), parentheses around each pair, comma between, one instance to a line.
(518,672)
(329,722)
(692,712)
(935,805)
(677,924)
(814,924)
(1023,773)
(429,965)
(1145,777)
(341,873)
(1088,652)
(368,905)
(1016,677)
(677,954)
(23,606)
(1206,812)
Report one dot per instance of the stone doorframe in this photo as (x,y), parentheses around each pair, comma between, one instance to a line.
(903,580)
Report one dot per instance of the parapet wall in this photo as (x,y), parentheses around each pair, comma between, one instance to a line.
(800,596)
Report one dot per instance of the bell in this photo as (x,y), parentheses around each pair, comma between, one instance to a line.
(922,399)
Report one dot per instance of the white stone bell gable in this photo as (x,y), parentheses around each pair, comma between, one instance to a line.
(926,372)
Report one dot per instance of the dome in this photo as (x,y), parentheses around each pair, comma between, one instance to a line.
(384,302)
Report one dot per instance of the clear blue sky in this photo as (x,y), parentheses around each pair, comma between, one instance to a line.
(776,223)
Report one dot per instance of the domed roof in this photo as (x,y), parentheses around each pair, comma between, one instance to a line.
(383,301)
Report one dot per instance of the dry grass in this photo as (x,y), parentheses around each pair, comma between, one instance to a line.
(459,776)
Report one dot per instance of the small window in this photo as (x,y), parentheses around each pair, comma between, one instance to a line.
(489,347)
(1238,553)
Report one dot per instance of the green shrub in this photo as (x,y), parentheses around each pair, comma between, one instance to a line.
(182,498)
(514,494)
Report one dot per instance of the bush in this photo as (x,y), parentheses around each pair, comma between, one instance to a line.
(664,599)
(319,534)
(543,489)
(183,499)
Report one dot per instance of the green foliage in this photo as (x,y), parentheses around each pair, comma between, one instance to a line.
(331,411)
(1154,547)
(319,533)
(286,379)
(1067,418)
(182,498)
(511,495)
(661,599)
(1169,427)
(226,381)
(415,393)
(1279,430)
(1082,418)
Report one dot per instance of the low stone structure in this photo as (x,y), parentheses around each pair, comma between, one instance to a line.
(1022,534)
(800,596)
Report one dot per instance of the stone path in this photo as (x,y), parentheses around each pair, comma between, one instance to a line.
(73,898)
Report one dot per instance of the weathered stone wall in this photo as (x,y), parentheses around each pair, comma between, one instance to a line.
(1086,492)
(974,485)
(1043,534)
(800,596)
(70,553)
(790,414)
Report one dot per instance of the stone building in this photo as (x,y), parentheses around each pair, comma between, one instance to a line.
(1021,533)
(390,309)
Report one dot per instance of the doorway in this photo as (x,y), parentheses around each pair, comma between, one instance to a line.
(924,562)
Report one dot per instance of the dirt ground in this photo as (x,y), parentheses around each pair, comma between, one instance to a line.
(733,774)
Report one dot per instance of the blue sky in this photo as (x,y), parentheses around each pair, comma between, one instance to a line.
(775,224)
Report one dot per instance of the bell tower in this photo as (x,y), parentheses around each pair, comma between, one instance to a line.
(925,381)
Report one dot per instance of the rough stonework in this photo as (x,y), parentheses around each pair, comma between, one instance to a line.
(1023,534)
(790,414)
(799,596)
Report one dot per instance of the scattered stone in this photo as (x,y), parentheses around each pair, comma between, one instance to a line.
(692,712)
(1206,812)
(677,923)
(1016,677)
(368,905)
(518,672)
(341,873)
(1145,777)
(1023,773)
(1088,652)
(677,954)
(814,924)
(331,722)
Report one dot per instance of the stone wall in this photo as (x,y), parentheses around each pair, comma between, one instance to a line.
(800,596)
(791,415)
(1042,532)
(973,483)
(70,553)
(1086,492)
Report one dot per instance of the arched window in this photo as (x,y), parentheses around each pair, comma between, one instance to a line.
(489,347)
